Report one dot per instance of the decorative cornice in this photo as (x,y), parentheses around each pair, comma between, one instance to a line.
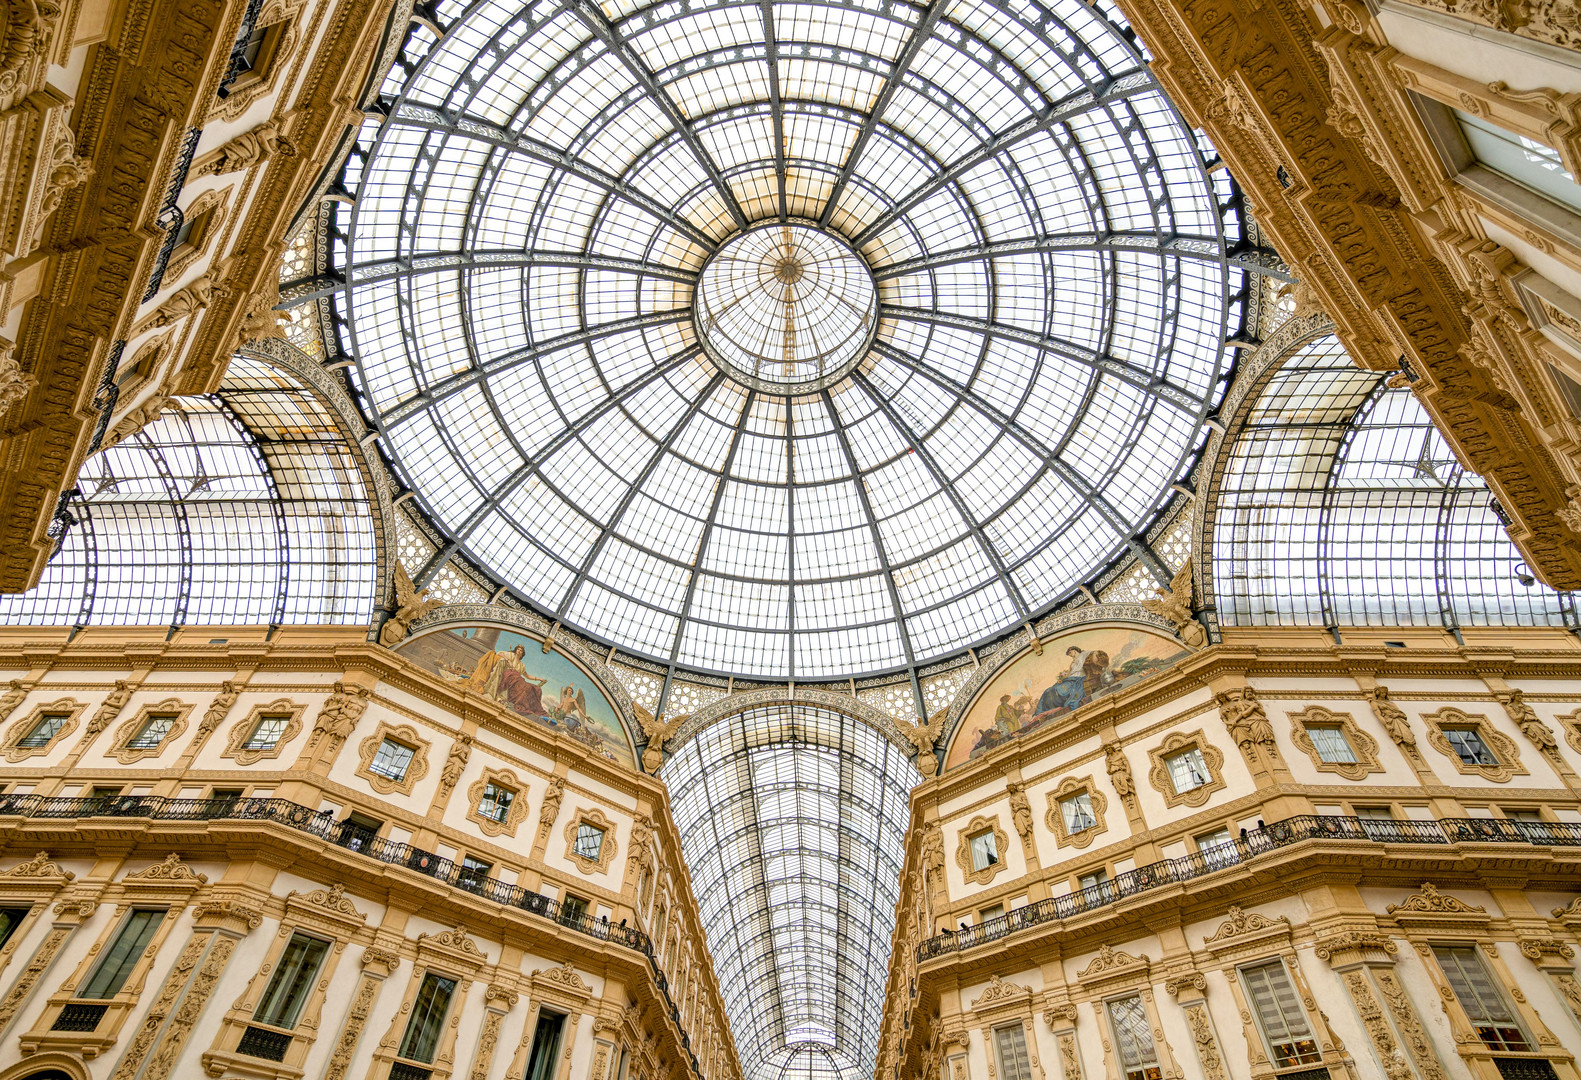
(332,901)
(1535,948)
(228,908)
(1353,941)
(1243,922)
(1109,960)
(563,976)
(1430,901)
(1193,980)
(39,866)
(998,992)
(171,871)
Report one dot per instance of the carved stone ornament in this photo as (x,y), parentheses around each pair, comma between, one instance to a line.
(549,812)
(228,908)
(1429,900)
(1364,748)
(39,866)
(1247,722)
(505,995)
(15,384)
(378,954)
(1062,1015)
(287,16)
(110,708)
(214,203)
(1245,922)
(411,604)
(563,976)
(1525,717)
(1108,960)
(455,941)
(606,846)
(1571,724)
(332,900)
(963,850)
(1174,604)
(1354,941)
(514,815)
(923,737)
(1535,948)
(1508,759)
(456,759)
(1194,980)
(241,733)
(998,991)
(1570,912)
(1178,743)
(1393,719)
(338,716)
(21,728)
(416,769)
(171,870)
(120,747)
(219,708)
(1055,818)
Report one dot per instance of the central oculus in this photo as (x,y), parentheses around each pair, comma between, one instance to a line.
(786,306)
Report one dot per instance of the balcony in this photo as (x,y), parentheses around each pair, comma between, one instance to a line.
(1246,848)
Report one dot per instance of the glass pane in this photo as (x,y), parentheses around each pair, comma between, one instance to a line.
(152,733)
(392,759)
(1133,1034)
(428,1018)
(122,955)
(985,850)
(1470,747)
(1014,1063)
(1331,744)
(1187,770)
(268,731)
(1280,1015)
(47,727)
(291,982)
(496,802)
(589,840)
(1077,809)
(1530,163)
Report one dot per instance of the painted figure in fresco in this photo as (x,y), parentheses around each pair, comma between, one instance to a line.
(503,677)
(1087,674)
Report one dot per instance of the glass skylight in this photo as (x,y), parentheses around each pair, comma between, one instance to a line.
(793,822)
(965,283)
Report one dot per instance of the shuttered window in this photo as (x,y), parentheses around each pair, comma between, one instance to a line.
(1133,1038)
(1485,1007)
(1011,1042)
(1279,1015)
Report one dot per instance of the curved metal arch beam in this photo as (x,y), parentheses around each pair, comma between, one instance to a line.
(1140,378)
(178,510)
(477,129)
(1200,248)
(737,704)
(1118,87)
(594,17)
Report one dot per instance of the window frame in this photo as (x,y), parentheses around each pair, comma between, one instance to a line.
(278,973)
(437,1031)
(126,964)
(1299,1058)
(1144,1070)
(1494,984)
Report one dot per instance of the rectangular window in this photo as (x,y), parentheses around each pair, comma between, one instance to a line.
(1217,847)
(153,732)
(10,919)
(496,802)
(47,727)
(1531,164)
(1011,1043)
(1133,1037)
(1279,1015)
(1094,886)
(266,733)
(589,840)
(997,911)
(122,955)
(545,1045)
(1468,744)
(1485,1007)
(392,760)
(1332,746)
(985,849)
(1077,811)
(573,907)
(1187,770)
(473,872)
(291,982)
(428,1018)
(357,831)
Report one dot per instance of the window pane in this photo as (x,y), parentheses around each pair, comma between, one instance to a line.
(496,802)
(392,760)
(1133,1036)
(1187,770)
(153,732)
(1532,164)
(1077,809)
(47,727)
(1014,1063)
(291,982)
(122,955)
(985,850)
(1280,1015)
(1480,997)
(1332,746)
(589,840)
(1470,747)
(10,919)
(267,733)
(428,1017)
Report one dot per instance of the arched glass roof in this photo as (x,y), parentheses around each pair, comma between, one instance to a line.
(793,822)
(1341,505)
(244,508)
(1020,273)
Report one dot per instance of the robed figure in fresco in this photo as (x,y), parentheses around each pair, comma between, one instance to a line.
(502,676)
(1088,672)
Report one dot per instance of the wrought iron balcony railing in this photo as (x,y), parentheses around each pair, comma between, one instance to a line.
(1249,846)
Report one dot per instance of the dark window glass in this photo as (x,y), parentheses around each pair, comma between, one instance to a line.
(266,733)
(428,1018)
(152,733)
(122,955)
(47,728)
(545,1045)
(10,919)
(292,981)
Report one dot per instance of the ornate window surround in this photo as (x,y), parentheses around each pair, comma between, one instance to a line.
(248,91)
(214,203)
(451,954)
(513,817)
(1362,745)
(1176,743)
(18,729)
(406,735)
(243,729)
(128,730)
(606,849)
(565,991)
(326,914)
(1055,818)
(170,885)
(1570,723)
(1502,745)
(963,850)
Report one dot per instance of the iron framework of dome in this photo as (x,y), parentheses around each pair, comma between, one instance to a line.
(1052,261)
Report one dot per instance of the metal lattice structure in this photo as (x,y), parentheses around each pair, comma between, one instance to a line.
(244,508)
(793,821)
(1056,264)
(1341,505)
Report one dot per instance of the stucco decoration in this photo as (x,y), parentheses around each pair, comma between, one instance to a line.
(514,815)
(241,732)
(1363,746)
(963,850)
(416,769)
(12,747)
(121,748)
(1507,755)
(1055,818)
(1179,743)
(598,864)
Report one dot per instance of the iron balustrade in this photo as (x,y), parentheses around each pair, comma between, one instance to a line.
(324,825)
(170,217)
(1248,846)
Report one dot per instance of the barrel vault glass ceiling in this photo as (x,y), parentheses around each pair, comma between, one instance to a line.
(966,282)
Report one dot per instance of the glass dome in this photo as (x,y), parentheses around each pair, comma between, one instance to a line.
(785,339)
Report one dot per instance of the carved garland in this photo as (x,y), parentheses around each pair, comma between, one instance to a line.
(1055,818)
(1503,747)
(20,729)
(606,848)
(1363,746)
(963,850)
(236,741)
(126,754)
(514,816)
(407,736)
(1178,743)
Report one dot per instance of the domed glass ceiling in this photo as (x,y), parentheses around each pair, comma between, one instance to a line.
(786,339)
